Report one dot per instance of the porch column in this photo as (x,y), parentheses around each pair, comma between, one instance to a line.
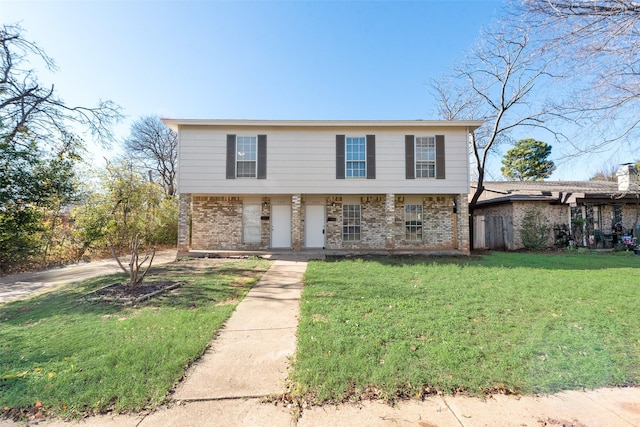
(296,222)
(463,223)
(184,207)
(390,216)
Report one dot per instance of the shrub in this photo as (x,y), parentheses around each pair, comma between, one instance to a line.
(535,230)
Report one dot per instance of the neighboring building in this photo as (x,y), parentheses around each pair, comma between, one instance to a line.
(593,214)
(342,186)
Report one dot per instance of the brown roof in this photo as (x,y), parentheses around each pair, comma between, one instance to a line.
(507,187)
(563,192)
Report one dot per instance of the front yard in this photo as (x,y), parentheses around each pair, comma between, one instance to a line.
(62,355)
(376,328)
(503,323)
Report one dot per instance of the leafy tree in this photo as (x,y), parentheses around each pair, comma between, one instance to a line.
(528,160)
(157,148)
(38,149)
(128,213)
(32,184)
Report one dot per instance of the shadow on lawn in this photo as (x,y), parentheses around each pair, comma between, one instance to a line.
(529,260)
(203,285)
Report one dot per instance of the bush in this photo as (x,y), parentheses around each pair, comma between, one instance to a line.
(535,230)
(165,230)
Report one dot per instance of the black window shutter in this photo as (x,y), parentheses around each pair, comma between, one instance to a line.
(409,156)
(262,157)
(440,168)
(231,156)
(371,157)
(340,157)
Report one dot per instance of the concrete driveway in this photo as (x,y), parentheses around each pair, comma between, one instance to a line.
(18,286)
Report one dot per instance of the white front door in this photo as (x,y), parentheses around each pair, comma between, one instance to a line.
(314,226)
(281,226)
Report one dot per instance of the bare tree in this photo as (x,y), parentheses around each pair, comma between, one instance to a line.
(136,266)
(606,172)
(598,42)
(30,111)
(157,147)
(495,83)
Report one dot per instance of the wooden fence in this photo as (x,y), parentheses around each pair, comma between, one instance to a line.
(493,232)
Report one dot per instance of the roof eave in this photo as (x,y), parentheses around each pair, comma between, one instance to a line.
(176,123)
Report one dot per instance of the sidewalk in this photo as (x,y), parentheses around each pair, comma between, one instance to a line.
(248,362)
(17,286)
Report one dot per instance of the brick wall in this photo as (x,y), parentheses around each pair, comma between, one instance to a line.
(554,215)
(438,222)
(462,226)
(297,232)
(630,216)
(184,223)
(333,230)
(217,225)
(217,222)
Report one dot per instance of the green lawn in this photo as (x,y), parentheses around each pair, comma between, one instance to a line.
(506,322)
(75,357)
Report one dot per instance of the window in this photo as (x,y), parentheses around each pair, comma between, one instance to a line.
(246,156)
(350,223)
(413,222)
(425,157)
(356,157)
(251,223)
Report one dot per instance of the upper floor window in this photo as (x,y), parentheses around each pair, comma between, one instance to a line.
(356,157)
(425,157)
(246,156)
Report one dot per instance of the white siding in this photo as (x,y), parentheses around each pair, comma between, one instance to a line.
(301,160)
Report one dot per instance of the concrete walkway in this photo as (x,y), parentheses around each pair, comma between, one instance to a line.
(248,361)
(17,286)
(250,356)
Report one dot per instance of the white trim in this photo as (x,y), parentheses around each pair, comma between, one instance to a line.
(415,157)
(346,160)
(470,124)
(255,162)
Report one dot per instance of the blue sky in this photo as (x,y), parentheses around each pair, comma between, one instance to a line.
(254,60)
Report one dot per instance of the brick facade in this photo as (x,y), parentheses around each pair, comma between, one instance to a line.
(217,222)
(557,215)
(184,223)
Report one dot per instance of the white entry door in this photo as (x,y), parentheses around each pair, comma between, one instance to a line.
(281,226)
(314,226)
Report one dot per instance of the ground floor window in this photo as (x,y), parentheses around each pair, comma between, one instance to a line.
(413,222)
(350,223)
(251,223)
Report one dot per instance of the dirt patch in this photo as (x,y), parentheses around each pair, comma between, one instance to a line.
(123,294)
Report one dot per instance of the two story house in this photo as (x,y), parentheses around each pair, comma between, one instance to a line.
(343,186)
